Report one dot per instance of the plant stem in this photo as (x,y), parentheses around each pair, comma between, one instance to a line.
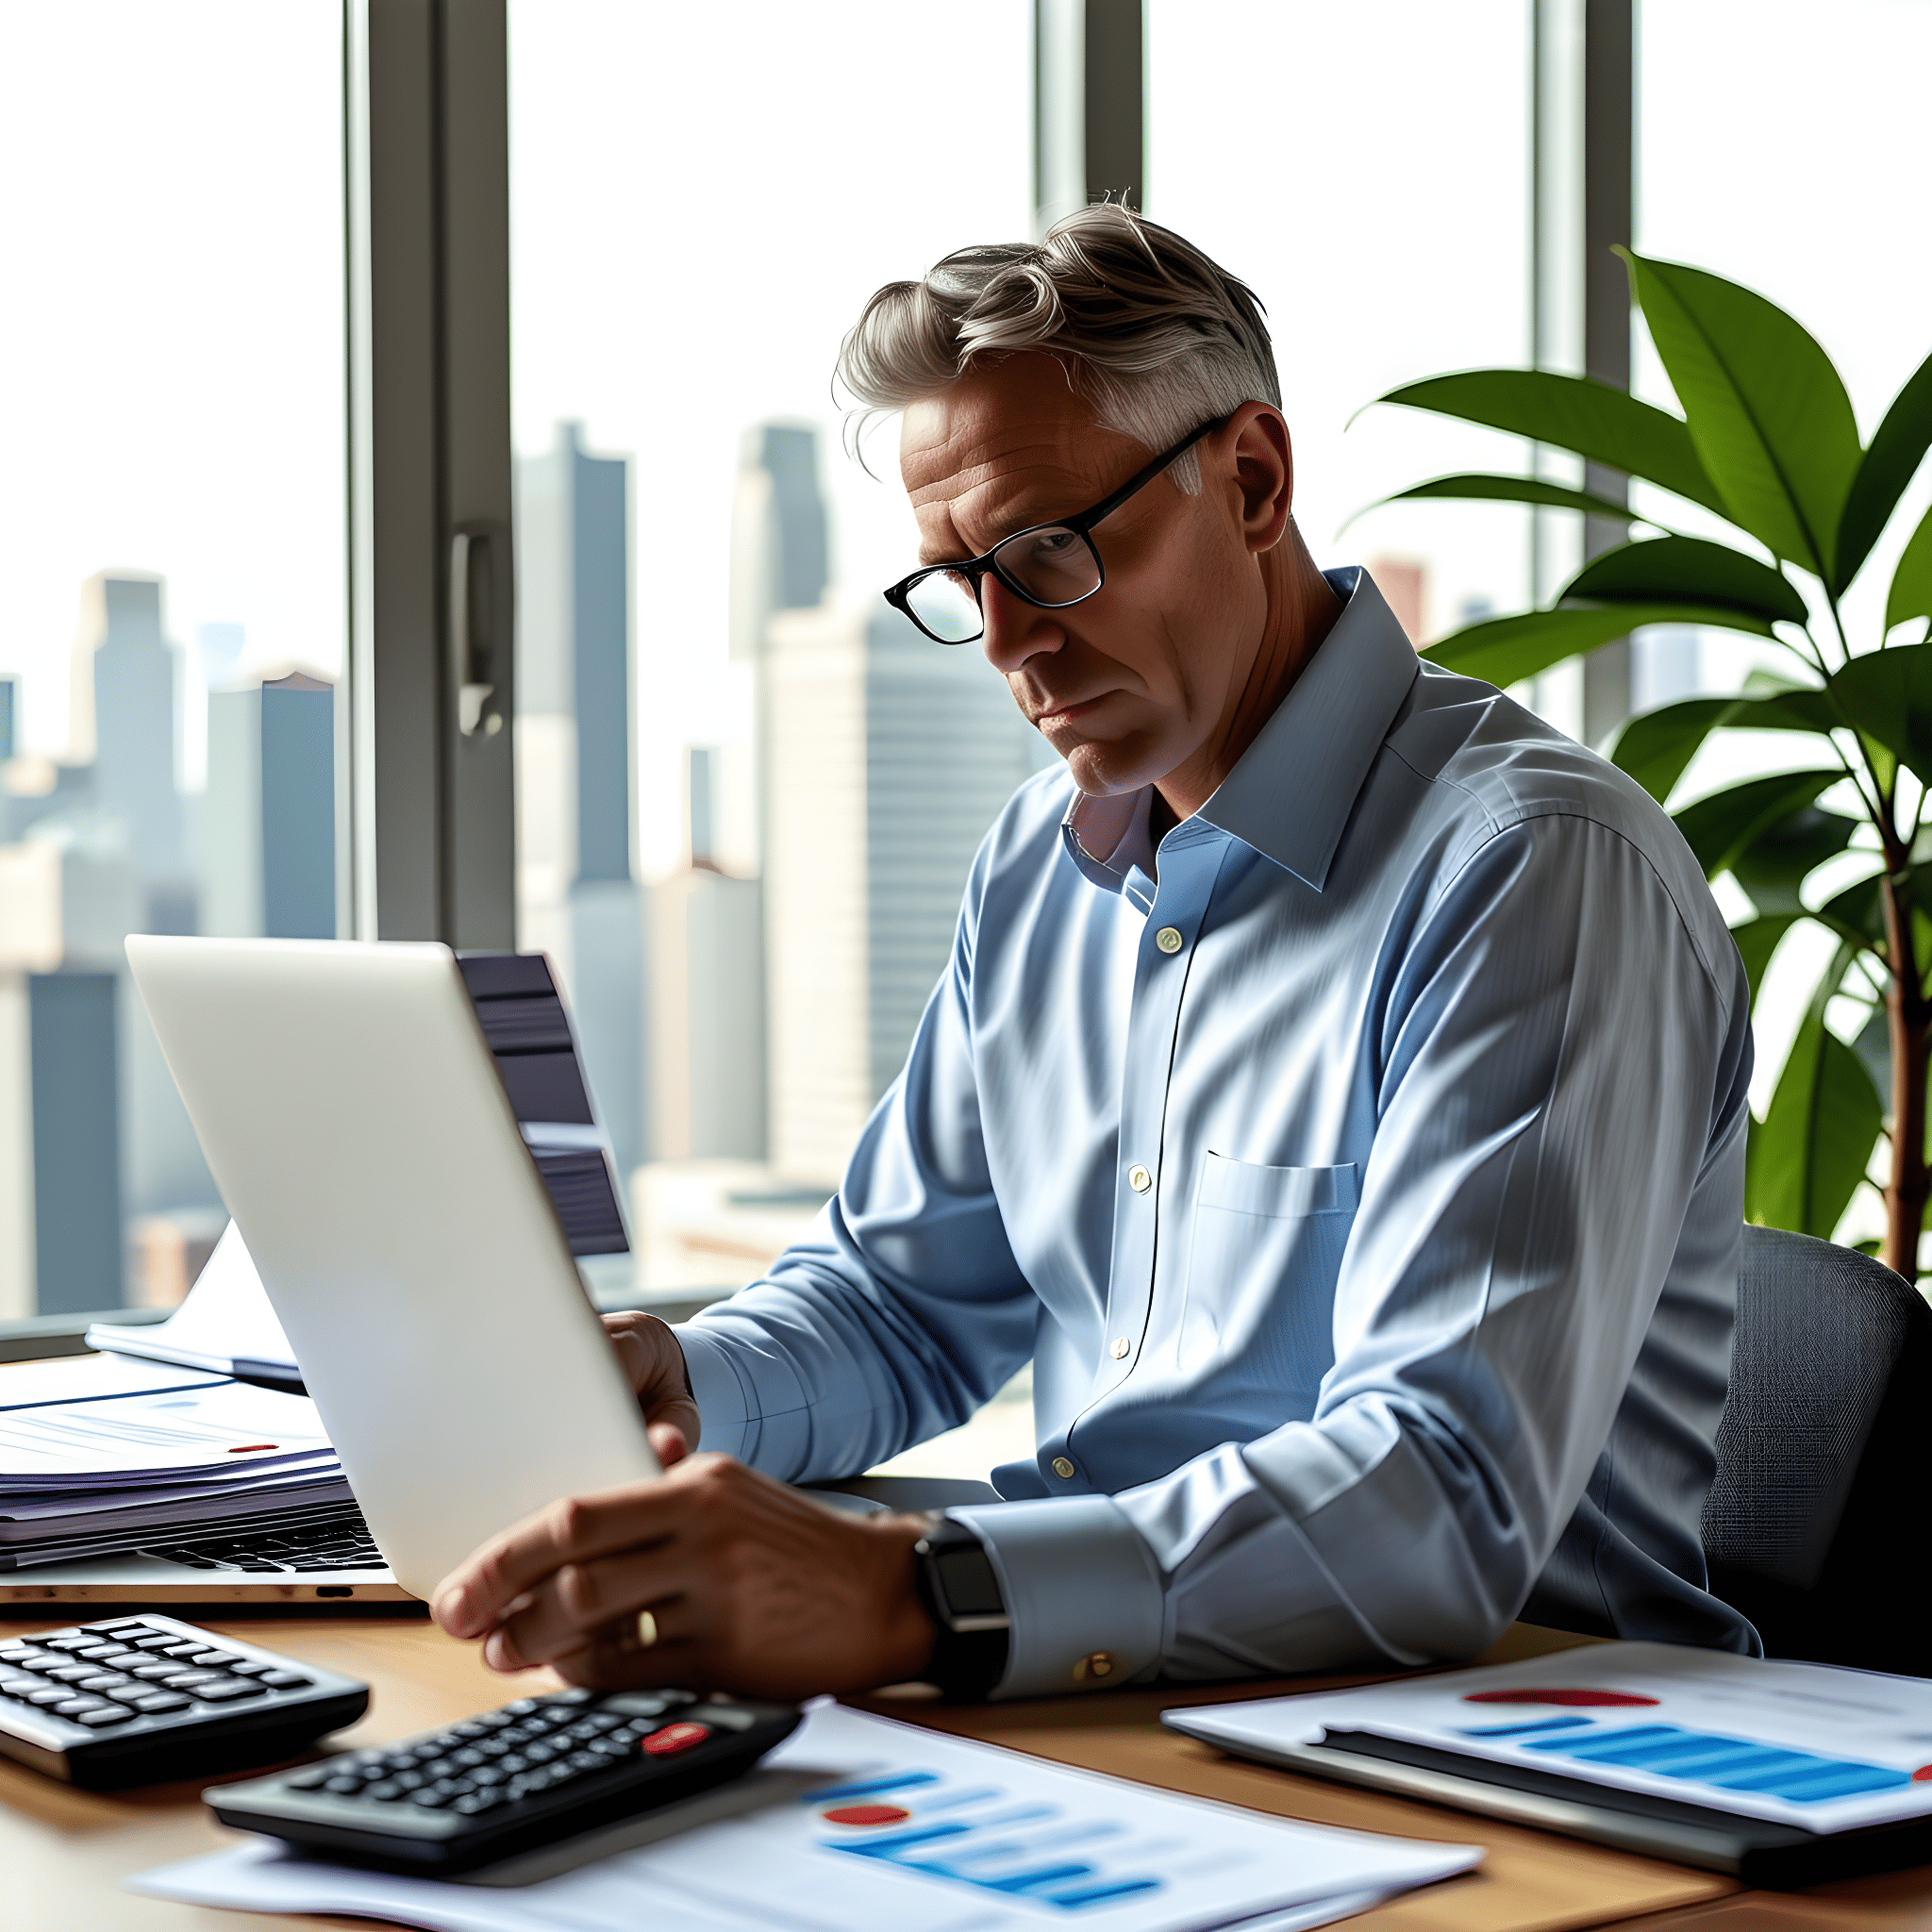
(1905,1012)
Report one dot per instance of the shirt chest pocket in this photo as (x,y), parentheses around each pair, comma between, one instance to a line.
(1265,1251)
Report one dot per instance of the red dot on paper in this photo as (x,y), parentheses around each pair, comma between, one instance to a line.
(1922,1775)
(867,1814)
(1584,1697)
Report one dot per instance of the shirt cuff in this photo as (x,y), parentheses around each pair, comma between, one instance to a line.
(728,1411)
(1082,1592)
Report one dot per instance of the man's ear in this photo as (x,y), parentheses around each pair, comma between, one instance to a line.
(1264,472)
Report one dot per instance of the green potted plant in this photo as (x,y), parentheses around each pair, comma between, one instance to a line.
(1767,442)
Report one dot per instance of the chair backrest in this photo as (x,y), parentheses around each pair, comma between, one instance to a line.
(1814,1524)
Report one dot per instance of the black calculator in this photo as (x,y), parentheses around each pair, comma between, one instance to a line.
(146,1700)
(537,1770)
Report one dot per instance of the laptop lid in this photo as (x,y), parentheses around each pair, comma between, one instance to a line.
(348,1106)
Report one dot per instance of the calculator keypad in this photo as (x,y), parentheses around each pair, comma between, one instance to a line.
(108,1675)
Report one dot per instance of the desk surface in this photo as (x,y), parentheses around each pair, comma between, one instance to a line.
(64,1853)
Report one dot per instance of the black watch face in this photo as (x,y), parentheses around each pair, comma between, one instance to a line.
(968,1584)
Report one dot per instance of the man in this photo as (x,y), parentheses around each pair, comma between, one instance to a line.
(1338,1091)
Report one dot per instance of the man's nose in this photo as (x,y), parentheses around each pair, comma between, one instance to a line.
(1015,629)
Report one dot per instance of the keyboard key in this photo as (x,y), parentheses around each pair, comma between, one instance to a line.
(473,1802)
(155,1702)
(192,1680)
(312,1779)
(106,1680)
(283,1680)
(344,1787)
(77,1639)
(228,1690)
(251,1667)
(79,1706)
(109,1714)
(48,1694)
(430,1798)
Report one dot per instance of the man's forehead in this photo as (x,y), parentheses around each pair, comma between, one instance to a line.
(977,458)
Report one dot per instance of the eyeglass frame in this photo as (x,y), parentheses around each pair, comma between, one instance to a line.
(974,568)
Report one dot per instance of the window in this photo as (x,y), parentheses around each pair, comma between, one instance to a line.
(749,791)
(171,573)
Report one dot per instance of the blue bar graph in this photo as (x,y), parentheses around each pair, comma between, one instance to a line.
(1732,1764)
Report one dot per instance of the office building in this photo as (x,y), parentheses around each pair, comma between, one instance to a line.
(269,816)
(577,896)
(893,756)
(708,1033)
(126,685)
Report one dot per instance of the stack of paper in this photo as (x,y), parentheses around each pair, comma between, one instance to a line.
(1811,1745)
(102,1454)
(856,1823)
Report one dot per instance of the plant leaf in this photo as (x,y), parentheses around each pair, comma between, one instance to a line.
(1856,913)
(1768,413)
(1785,854)
(1589,419)
(1688,570)
(1718,828)
(1503,649)
(1810,1151)
(1484,489)
(1912,583)
(1757,941)
(1889,465)
(1888,695)
(1656,746)
(1873,1048)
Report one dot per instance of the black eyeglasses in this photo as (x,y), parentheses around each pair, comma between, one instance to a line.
(1050,565)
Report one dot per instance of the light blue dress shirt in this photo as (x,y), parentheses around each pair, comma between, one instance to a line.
(1362,1173)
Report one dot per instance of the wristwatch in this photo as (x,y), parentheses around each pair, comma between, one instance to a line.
(959,1593)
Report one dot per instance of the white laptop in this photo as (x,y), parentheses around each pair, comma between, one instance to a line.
(352,1116)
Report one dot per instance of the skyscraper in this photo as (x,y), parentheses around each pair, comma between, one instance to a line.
(707,1031)
(125,685)
(577,896)
(269,822)
(892,756)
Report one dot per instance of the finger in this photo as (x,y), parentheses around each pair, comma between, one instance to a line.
(570,1609)
(477,1594)
(633,1356)
(668,1440)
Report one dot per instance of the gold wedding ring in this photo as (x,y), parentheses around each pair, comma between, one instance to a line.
(647,1630)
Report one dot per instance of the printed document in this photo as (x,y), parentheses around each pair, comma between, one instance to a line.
(857,1824)
(1806,1745)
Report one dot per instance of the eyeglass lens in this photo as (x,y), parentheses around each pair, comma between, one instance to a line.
(1052,566)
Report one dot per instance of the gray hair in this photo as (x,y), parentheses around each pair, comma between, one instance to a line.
(1157,337)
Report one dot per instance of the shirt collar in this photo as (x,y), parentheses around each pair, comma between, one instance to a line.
(1293,788)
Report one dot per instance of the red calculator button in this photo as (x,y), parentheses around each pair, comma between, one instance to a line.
(676,1738)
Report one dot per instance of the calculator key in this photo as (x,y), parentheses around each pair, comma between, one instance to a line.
(106,1714)
(344,1787)
(251,1667)
(282,1680)
(312,1779)
(155,1702)
(473,1802)
(48,1694)
(430,1797)
(673,1739)
(228,1690)
(190,1680)
(77,1707)
(385,1793)
(75,1640)
(106,1680)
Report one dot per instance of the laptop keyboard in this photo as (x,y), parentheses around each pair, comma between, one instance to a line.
(334,1539)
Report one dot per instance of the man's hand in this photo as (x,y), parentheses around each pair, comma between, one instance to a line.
(654,1364)
(754,1588)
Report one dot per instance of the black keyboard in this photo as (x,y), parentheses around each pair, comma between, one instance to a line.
(539,1770)
(332,1538)
(145,1700)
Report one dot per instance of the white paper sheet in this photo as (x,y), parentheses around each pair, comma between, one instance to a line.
(1805,1745)
(155,1435)
(226,1318)
(860,1824)
(89,1378)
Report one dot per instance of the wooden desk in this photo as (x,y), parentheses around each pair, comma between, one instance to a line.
(64,1853)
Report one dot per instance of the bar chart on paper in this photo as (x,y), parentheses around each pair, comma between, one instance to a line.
(856,1823)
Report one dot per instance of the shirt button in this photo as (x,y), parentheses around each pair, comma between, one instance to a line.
(1168,940)
(1095,1665)
(1119,1347)
(1063,1468)
(1140,1179)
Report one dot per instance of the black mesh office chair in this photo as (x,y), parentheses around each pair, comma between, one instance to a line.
(1816,1525)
